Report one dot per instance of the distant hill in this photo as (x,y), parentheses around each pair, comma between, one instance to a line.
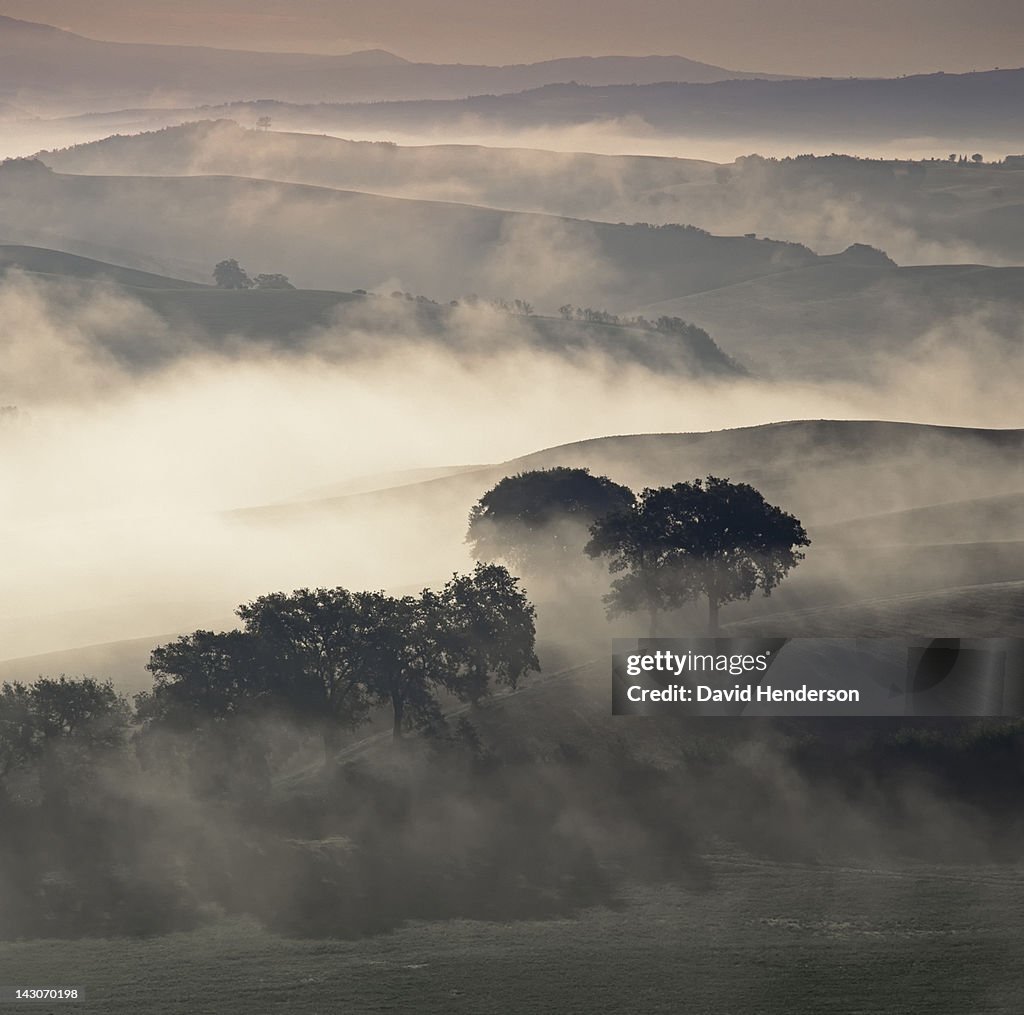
(596,186)
(832,319)
(832,111)
(827,471)
(51,68)
(123,662)
(342,240)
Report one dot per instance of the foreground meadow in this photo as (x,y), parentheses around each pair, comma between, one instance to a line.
(751,935)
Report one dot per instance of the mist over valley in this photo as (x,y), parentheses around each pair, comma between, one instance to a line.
(333,466)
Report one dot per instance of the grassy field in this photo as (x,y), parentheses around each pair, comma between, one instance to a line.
(758,937)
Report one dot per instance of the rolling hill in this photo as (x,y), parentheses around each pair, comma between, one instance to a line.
(574,184)
(970,520)
(832,320)
(58,264)
(826,471)
(192,317)
(947,107)
(332,239)
(990,610)
(920,212)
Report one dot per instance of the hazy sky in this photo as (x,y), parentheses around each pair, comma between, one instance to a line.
(880,37)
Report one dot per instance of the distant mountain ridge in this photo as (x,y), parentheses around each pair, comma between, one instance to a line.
(49,68)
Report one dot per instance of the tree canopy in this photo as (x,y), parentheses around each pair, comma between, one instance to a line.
(229,274)
(65,724)
(538,520)
(713,538)
(327,656)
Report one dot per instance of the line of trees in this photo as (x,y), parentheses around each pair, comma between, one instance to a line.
(320,658)
(326,657)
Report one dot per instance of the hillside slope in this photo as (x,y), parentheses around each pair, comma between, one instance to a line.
(847,320)
(920,212)
(331,239)
(560,183)
(58,264)
(337,326)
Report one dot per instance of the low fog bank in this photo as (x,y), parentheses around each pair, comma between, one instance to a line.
(134,323)
(123,487)
(623,136)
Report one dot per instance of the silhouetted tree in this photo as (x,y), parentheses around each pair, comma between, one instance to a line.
(310,646)
(229,275)
(264,122)
(479,628)
(978,158)
(714,538)
(63,725)
(537,520)
(209,693)
(403,655)
(203,676)
(488,631)
(650,578)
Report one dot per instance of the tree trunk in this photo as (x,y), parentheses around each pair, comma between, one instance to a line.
(713,616)
(398,705)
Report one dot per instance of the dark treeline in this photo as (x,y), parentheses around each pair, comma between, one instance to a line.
(326,656)
(108,833)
